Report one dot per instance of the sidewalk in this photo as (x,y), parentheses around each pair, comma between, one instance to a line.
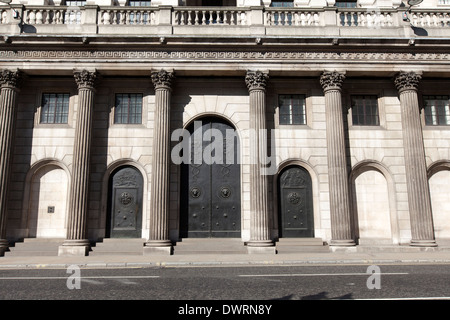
(139,261)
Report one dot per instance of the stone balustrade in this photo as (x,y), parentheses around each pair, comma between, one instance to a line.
(292,17)
(213,16)
(288,20)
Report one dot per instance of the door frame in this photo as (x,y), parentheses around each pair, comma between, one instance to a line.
(313,197)
(109,201)
(182,230)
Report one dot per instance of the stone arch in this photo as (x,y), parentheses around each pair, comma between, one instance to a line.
(46,200)
(315,193)
(112,167)
(439,184)
(378,226)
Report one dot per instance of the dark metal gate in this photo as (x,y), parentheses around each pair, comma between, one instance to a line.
(211,195)
(296,217)
(126,189)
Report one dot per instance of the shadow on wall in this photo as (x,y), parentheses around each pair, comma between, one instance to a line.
(419,31)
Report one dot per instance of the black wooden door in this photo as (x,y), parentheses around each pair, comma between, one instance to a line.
(211,197)
(296,217)
(126,188)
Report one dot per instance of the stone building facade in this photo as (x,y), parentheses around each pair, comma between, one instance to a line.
(337,114)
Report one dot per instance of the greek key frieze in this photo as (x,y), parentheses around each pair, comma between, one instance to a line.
(220,55)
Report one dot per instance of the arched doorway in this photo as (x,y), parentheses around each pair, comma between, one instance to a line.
(295,203)
(439,184)
(48,203)
(210,181)
(125,203)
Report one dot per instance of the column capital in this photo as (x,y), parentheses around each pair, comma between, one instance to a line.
(256,80)
(330,80)
(9,78)
(85,79)
(407,81)
(162,79)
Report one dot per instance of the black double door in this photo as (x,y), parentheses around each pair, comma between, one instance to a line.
(295,203)
(211,195)
(125,204)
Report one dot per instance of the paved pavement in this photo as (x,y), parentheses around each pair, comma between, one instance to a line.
(384,256)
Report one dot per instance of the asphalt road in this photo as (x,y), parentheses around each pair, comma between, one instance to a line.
(185,285)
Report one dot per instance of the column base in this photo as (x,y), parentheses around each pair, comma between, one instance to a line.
(4,246)
(262,246)
(158,247)
(74,248)
(423,243)
(343,243)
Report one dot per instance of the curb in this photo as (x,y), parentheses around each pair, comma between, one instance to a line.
(113,265)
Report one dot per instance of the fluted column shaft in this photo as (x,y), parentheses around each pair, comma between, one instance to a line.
(259,219)
(79,189)
(422,232)
(159,196)
(8,94)
(341,228)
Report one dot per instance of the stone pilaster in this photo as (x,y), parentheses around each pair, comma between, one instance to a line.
(76,242)
(158,241)
(260,239)
(422,232)
(9,83)
(341,229)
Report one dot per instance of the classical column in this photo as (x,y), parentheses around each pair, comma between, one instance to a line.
(76,242)
(158,241)
(260,239)
(9,83)
(341,230)
(422,232)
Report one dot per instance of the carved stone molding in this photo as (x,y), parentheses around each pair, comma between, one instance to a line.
(85,79)
(162,79)
(256,80)
(10,78)
(407,81)
(120,55)
(330,80)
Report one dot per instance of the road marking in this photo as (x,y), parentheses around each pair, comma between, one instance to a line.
(82,277)
(317,274)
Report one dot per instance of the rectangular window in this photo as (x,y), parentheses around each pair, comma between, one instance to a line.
(345,4)
(75,3)
(128,108)
(365,110)
(444,2)
(292,109)
(437,110)
(55,108)
(139,3)
(278,4)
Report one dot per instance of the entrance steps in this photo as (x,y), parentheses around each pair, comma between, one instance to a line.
(35,247)
(118,246)
(210,246)
(300,245)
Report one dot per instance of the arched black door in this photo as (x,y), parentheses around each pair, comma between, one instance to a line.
(296,218)
(211,193)
(125,203)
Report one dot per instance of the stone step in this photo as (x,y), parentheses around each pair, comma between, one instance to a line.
(210,246)
(35,247)
(118,247)
(301,245)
